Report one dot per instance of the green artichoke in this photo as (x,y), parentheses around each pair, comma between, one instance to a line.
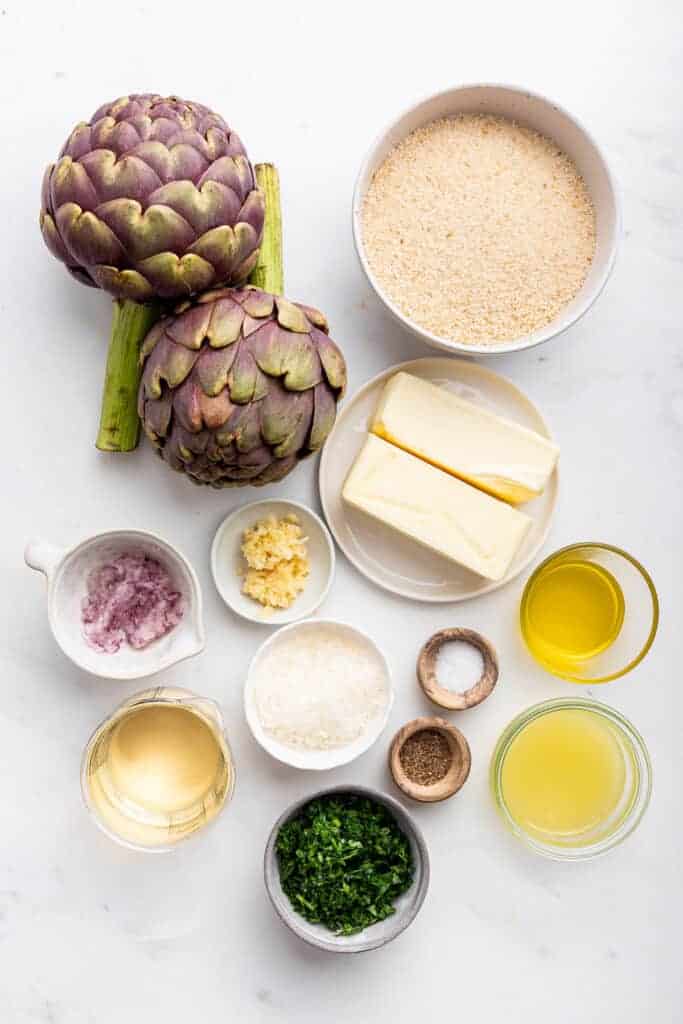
(153,198)
(238,386)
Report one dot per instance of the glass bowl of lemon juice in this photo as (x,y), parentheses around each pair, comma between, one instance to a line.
(571,778)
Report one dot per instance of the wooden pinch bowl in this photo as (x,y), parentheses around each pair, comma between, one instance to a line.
(450,699)
(456,776)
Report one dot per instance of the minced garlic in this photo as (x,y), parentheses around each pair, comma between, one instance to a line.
(277,561)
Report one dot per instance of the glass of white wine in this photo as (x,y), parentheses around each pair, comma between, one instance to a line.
(158,769)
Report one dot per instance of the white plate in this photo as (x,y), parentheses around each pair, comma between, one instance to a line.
(385,556)
(227,561)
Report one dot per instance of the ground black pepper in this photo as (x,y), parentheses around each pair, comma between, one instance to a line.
(426,757)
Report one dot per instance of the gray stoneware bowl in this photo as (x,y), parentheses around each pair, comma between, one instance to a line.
(378,934)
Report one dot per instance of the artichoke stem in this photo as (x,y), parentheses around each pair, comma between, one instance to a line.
(268,274)
(119,423)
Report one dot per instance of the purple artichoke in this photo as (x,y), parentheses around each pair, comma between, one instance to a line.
(153,198)
(238,386)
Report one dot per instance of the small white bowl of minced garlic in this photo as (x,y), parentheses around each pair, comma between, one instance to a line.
(273,561)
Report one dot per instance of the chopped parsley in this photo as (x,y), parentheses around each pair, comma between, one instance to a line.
(343,862)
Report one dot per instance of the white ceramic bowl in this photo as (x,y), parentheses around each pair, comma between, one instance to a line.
(67,570)
(377,935)
(315,760)
(227,561)
(544,116)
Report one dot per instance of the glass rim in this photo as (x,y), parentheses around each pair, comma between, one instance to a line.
(643,767)
(654,625)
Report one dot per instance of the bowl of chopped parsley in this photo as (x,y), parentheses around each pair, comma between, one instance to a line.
(346,869)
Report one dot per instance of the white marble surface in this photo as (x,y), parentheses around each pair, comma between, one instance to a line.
(92,933)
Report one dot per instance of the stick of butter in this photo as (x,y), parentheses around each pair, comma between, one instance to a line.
(497,455)
(435,509)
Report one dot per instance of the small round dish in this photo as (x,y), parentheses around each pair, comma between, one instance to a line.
(227,561)
(633,801)
(450,699)
(67,570)
(456,776)
(386,557)
(548,118)
(315,760)
(632,594)
(377,935)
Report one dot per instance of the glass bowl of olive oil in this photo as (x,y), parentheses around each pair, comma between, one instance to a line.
(158,769)
(589,613)
(571,778)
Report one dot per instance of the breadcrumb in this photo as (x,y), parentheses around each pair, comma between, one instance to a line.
(479,229)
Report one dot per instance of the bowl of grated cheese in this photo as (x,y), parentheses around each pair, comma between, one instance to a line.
(318,694)
(486,219)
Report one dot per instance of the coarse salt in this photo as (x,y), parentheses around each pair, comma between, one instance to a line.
(319,688)
(459,666)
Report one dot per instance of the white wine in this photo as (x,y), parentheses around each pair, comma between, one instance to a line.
(156,771)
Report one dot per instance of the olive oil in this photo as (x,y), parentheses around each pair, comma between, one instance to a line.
(573,610)
(565,777)
(156,772)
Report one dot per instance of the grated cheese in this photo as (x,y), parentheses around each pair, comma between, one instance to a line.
(319,688)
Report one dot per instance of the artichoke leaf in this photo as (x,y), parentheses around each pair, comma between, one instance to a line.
(242,271)
(317,318)
(213,369)
(257,303)
(169,275)
(69,183)
(281,412)
(291,316)
(280,353)
(243,427)
(220,248)
(324,415)
(205,208)
(124,284)
(232,171)
(53,239)
(215,409)
(167,362)
(169,162)
(189,329)
(88,239)
(152,337)
(226,322)
(253,213)
(127,177)
(156,414)
(332,360)
(145,233)
(245,380)
(187,406)
(250,325)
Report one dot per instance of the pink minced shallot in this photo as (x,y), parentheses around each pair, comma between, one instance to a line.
(131,599)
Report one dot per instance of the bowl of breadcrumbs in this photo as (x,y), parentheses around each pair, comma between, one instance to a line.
(486,219)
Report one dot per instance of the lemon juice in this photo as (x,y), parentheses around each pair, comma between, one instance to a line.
(565,777)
